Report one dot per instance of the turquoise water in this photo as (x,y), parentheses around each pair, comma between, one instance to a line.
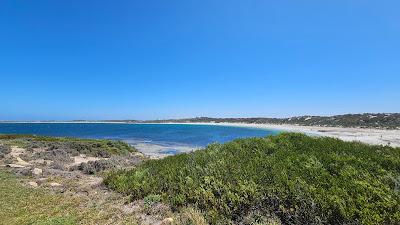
(151,139)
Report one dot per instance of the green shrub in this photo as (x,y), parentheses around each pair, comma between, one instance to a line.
(150,200)
(295,178)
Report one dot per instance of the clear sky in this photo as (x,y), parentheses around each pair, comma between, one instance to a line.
(167,59)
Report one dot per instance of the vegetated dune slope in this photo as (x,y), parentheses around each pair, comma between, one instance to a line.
(288,179)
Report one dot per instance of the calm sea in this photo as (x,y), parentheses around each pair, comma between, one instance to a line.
(151,139)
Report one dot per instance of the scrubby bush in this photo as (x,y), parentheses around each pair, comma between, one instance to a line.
(151,200)
(295,178)
(56,155)
(93,167)
(152,205)
(57,165)
(116,161)
(4,150)
(257,217)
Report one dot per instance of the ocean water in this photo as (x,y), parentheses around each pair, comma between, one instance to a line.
(151,139)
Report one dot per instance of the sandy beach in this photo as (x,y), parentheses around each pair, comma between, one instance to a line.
(369,136)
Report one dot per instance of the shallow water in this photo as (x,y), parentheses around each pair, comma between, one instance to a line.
(151,139)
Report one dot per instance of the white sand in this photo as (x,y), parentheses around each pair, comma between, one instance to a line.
(369,136)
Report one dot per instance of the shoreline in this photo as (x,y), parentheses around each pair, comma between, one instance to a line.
(366,135)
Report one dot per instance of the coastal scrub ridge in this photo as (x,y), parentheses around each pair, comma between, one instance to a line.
(285,179)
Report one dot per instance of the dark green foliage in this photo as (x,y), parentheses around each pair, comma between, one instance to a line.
(150,200)
(295,178)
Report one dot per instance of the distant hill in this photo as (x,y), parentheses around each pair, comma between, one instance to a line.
(366,120)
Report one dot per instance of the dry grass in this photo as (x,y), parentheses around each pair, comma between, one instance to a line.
(190,216)
(20,204)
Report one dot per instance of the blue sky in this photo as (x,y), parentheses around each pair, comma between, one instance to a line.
(169,59)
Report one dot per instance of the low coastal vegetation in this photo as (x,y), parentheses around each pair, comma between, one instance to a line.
(284,179)
(92,147)
(65,153)
(46,180)
(51,180)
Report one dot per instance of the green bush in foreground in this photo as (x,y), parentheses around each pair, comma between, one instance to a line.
(293,178)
